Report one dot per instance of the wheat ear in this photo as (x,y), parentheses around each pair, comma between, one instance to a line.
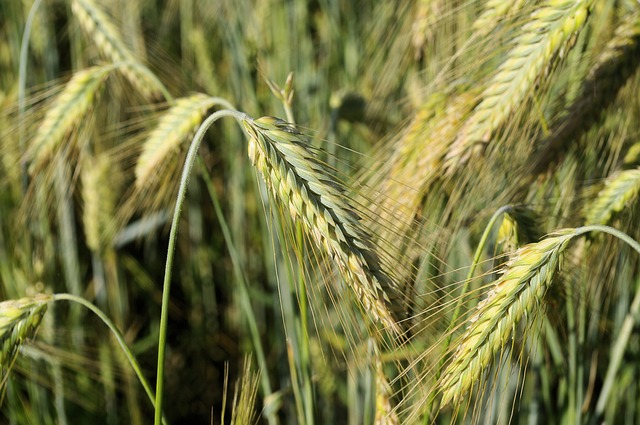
(97,25)
(66,111)
(100,186)
(547,35)
(613,67)
(495,11)
(520,225)
(174,127)
(19,320)
(517,294)
(621,189)
(312,195)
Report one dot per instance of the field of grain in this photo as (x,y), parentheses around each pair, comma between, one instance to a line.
(319,212)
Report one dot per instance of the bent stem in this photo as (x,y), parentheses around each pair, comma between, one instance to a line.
(182,190)
(627,325)
(119,337)
(463,292)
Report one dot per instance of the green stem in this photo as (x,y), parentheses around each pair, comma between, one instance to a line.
(182,190)
(463,292)
(627,324)
(119,337)
(245,300)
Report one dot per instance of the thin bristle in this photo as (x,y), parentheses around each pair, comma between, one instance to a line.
(312,195)
(516,295)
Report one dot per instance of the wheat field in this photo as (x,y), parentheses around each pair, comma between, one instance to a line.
(320,212)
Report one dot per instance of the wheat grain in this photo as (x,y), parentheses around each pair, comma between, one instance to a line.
(175,125)
(97,25)
(19,320)
(312,195)
(67,111)
(547,35)
(517,294)
(621,190)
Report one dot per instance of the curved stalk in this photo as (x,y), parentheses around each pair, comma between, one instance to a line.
(182,190)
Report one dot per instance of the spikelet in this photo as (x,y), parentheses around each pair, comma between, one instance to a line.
(97,25)
(385,415)
(67,111)
(100,185)
(19,320)
(621,190)
(494,12)
(547,35)
(517,294)
(312,195)
(175,125)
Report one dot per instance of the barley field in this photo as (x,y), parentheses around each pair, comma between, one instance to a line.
(320,212)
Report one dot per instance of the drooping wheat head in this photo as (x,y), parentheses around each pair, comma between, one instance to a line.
(174,127)
(19,320)
(100,188)
(494,12)
(66,112)
(97,25)
(621,190)
(517,294)
(612,68)
(313,196)
(549,33)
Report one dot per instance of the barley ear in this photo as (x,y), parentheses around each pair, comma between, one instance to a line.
(100,188)
(19,321)
(174,127)
(313,196)
(517,294)
(520,226)
(547,36)
(621,190)
(97,25)
(66,112)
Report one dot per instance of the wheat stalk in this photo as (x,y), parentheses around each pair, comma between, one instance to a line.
(547,35)
(312,195)
(621,190)
(175,125)
(67,111)
(19,320)
(97,25)
(517,294)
